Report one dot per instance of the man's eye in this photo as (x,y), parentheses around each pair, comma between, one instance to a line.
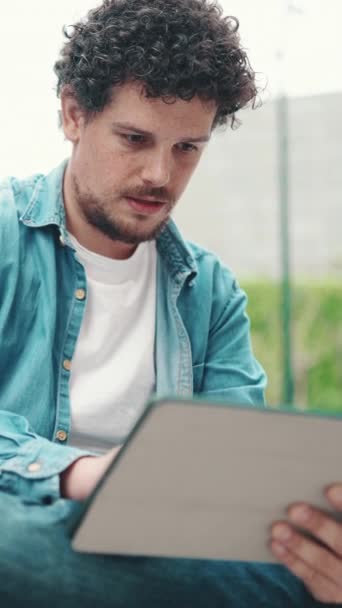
(185,147)
(133,138)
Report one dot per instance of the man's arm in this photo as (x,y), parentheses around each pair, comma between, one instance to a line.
(79,480)
(31,465)
(231,372)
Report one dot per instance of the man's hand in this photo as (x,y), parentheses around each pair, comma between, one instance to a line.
(79,480)
(319,567)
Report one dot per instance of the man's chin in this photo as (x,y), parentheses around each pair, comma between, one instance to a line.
(130,235)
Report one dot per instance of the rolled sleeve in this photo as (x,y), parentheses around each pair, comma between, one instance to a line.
(30,465)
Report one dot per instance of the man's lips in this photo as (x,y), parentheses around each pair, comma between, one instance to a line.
(146,206)
(146,199)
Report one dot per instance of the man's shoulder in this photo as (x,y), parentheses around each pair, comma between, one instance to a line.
(15,195)
(186,258)
(200,252)
(209,263)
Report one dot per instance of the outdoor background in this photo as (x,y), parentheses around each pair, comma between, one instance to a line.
(277,176)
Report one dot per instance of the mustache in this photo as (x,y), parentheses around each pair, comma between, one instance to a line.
(159,194)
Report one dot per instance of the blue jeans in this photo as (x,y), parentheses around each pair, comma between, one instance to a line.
(39,569)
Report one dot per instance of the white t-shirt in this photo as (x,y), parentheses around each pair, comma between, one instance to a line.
(113,372)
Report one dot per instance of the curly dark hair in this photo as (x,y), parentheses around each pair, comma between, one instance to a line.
(176,48)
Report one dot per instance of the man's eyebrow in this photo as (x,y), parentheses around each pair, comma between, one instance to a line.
(130,127)
(195,140)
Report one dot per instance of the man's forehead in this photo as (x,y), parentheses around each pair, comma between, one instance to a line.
(131,107)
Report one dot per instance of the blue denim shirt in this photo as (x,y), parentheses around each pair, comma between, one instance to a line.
(202,341)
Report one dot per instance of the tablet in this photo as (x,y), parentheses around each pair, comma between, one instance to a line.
(206,480)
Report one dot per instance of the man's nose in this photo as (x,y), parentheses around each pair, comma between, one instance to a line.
(157,169)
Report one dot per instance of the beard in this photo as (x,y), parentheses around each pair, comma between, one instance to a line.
(95,211)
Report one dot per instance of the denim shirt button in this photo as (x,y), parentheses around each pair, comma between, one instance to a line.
(61,435)
(34,467)
(80,294)
(67,365)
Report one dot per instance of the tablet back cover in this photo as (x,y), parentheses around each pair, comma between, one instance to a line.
(199,480)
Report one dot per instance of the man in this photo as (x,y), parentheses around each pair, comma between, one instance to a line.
(104,304)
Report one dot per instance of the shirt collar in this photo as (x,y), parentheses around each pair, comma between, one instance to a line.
(176,252)
(46,207)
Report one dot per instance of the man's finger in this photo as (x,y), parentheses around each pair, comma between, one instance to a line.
(321,588)
(322,526)
(320,560)
(334,495)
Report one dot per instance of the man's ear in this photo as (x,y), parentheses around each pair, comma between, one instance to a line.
(72,115)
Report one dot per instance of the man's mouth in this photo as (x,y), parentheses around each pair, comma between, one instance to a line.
(145,206)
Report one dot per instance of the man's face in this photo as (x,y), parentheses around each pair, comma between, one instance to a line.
(133,161)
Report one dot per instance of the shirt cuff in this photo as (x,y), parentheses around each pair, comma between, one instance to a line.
(33,473)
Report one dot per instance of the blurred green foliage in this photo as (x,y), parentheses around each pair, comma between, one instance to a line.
(316,341)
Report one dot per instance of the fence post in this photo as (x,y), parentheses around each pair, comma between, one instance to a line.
(286,292)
